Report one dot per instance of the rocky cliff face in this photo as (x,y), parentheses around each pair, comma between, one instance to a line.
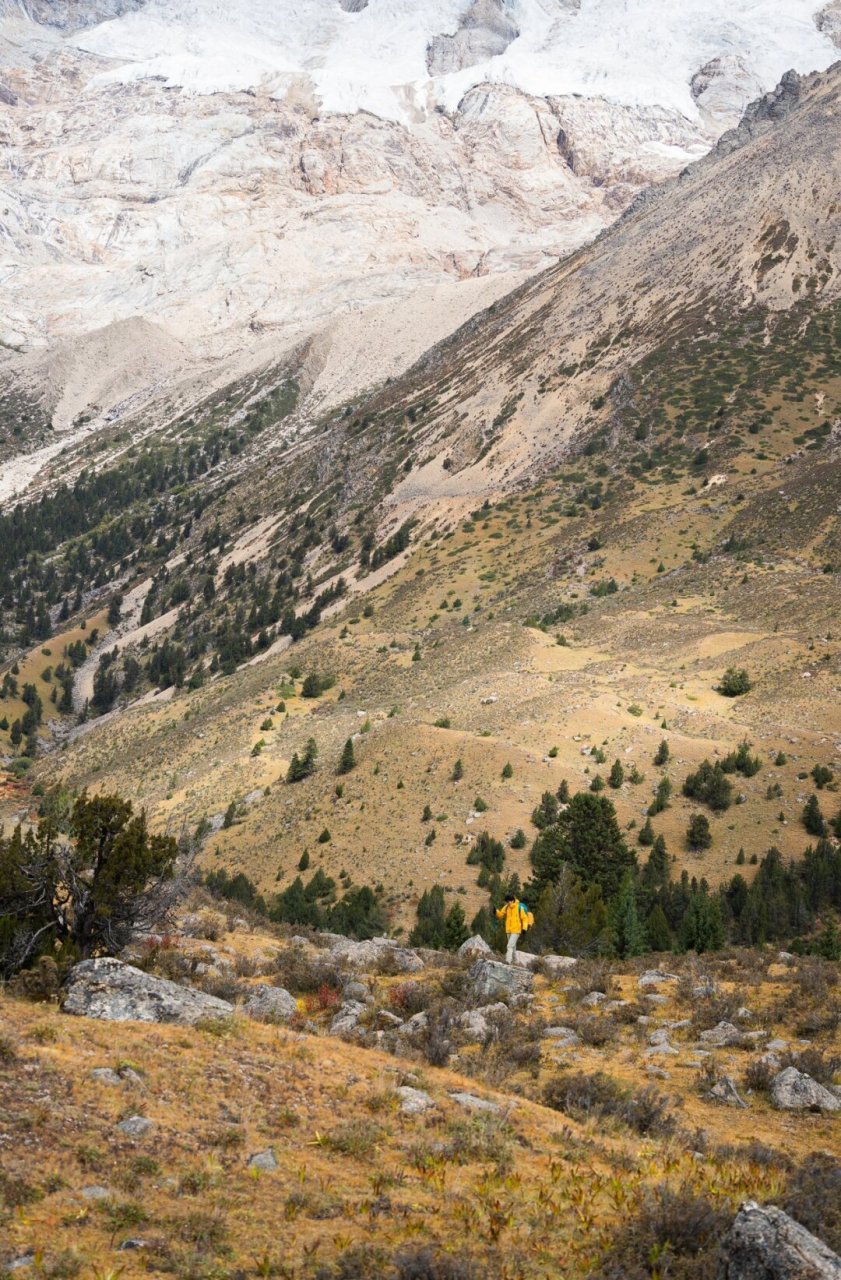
(244,178)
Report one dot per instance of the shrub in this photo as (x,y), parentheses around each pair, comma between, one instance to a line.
(673,1233)
(580,1094)
(813,1197)
(662,756)
(734,683)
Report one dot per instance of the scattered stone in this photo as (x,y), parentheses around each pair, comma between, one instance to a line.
(653,978)
(105,1075)
(133,1242)
(415,1025)
(744,1014)
(478,1024)
(766,1244)
(389,1021)
(593,999)
(793,1090)
(557,966)
(116,992)
(413,1102)
(470,1102)
(270,1003)
(724,1090)
(23,1260)
(475,947)
(723,1035)
(357,991)
(526,960)
(95,1193)
(704,990)
(662,1050)
(347,1017)
(653,998)
(564,1037)
(777,1046)
(135,1126)
(659,1036)
(263,1160)
(492,978)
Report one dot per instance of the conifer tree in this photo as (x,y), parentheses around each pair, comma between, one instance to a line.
(348,758)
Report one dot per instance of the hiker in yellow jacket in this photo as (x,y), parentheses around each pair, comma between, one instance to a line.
(516,918)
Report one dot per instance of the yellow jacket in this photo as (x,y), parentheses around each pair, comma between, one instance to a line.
(512,913)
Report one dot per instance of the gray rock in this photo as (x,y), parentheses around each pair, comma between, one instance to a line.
(378,955)
(415,1025)
(527,960)
(662,1050)
(744,1014)
(135,1126)
(776,1046)
(766,1244)
(470,1102)
(653,978)
(23,1260)
(593,999)
(474,948)
(703,990)
(492,979)
(347,1017)
(659,1036)
(722,1036)
(263,1160)
(563,1037)
(273,1003)
(413,1102)
(132,1242)
(654,998)
(793,1090)
(357,991)
(556,967)
(389,1021)
(478,1024)
(104,1075)
(95,1193)
(117,992)
(724,1090)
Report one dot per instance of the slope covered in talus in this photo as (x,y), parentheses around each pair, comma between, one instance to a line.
(245,175)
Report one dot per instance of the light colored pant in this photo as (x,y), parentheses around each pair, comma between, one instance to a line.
(513,939)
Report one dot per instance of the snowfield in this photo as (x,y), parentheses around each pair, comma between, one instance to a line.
(635,52)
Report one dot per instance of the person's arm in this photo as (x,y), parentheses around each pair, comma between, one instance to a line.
(500,912)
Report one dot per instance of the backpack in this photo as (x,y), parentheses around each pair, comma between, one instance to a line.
(526,917)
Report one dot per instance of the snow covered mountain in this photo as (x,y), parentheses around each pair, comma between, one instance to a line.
(247,175)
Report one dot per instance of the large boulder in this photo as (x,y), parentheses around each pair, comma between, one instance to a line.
(793,1090)
(493,980)
(477,1025)
(377,955)
(475,948)
(766,1244)
(556,967)
(117,992)
(270,1004)
(722,1036)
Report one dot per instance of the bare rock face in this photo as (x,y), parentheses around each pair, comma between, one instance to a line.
(353,6)
(486,31)
(793,1090)
(117,992)
(76,15)
(766,1244)
(828,20)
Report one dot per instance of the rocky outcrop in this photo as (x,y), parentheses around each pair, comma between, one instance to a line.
(486,30)
(378,955)
(766,1244)
(493,980)
(793,1090)
(117,992)
(270,1004)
